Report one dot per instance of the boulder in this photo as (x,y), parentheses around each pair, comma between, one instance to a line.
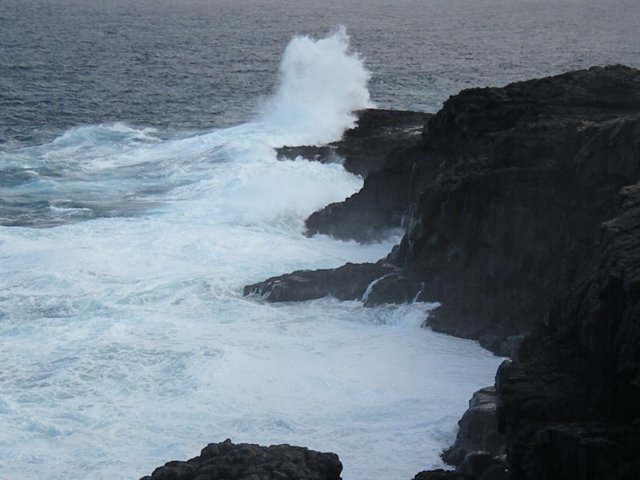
(228,461)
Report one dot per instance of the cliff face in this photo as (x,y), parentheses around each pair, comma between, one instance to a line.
(570,404)
(527,173)
(504,186)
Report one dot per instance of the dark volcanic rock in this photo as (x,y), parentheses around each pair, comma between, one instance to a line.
(586,451)
(384,149)
(523,177)
(226,461)
(373,283)
(349,282)
(478,429)
(570,405)
(384,201)
(439,475)
(364,148)
(524,217)
(528,172)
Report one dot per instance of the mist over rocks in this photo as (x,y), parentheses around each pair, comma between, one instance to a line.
(382,205)
(524,224)
(522,217)
(573,393)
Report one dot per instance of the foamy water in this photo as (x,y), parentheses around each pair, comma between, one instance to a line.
(126,340)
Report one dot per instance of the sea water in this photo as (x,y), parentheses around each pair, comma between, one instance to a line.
(140,190)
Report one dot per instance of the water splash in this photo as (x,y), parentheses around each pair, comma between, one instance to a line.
(322,83)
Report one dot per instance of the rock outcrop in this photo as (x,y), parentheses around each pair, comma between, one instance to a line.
(478,430)
(503,187)
(227,461)
(364,148)
(383,203)
(349,282)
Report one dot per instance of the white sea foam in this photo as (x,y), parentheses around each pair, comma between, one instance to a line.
(127,343)
(322,83)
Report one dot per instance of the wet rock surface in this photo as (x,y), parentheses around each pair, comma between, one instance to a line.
(349,282)
(364,148)
(439,475)
(228,461)
(570,404)
(384,149)
(478,430)
(383,204)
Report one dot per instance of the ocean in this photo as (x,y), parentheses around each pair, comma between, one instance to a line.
(140,191)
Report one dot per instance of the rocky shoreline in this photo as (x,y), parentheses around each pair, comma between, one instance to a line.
(521,212)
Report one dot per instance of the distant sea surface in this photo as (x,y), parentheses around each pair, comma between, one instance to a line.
(197,64)
(140,190)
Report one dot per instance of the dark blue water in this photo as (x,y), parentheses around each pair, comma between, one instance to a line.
(195,64)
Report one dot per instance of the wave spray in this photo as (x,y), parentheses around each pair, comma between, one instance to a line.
(321,84)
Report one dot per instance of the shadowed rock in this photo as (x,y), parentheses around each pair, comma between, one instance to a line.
(384,201)
(507,184)
(478,429)
(384,149)
(227,461)
(570,404)
(586,451)
(439,475)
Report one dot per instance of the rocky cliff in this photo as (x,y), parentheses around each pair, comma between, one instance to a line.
(382,148)
(529,171)
(503,186)
(570,402)
(522,216)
